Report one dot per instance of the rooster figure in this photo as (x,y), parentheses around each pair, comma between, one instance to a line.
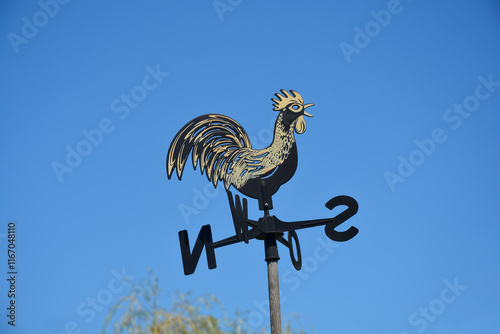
(223,150)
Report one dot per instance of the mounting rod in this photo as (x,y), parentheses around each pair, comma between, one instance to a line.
(272,258)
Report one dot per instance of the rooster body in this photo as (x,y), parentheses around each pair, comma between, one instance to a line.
(222,148)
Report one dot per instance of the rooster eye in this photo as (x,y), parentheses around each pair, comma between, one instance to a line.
(295,107)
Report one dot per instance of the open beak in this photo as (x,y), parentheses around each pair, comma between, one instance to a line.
(300,127)
(307,106)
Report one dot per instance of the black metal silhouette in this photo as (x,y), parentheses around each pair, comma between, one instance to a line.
(268,228)
(222,148)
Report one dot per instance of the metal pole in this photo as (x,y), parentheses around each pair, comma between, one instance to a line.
(272,258)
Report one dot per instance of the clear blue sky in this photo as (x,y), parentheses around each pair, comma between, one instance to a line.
(406,121)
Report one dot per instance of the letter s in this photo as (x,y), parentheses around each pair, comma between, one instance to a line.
(116,109)
(448,118)
(294,279)
(352,209)
(414,322)
(83,313)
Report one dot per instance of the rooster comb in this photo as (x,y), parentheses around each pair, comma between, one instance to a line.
(283,100)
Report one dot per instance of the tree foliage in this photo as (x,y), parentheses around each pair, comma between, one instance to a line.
(141,313)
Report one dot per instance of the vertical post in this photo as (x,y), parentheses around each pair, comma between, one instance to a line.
(272,258)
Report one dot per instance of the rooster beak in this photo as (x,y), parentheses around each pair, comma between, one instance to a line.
(307,106)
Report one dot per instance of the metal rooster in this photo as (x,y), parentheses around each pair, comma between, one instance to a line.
(223,150)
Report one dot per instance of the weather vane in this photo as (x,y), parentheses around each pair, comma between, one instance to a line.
(224,153)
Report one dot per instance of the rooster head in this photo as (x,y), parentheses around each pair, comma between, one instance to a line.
(293,108)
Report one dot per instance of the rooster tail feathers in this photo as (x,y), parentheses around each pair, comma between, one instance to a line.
(213,141)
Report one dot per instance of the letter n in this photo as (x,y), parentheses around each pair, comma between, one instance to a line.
(190,259)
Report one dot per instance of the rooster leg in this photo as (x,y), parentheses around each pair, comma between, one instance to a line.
(265,198)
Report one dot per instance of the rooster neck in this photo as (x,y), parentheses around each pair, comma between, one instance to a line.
(284,137)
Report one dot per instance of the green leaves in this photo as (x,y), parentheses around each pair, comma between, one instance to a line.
(141,313)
